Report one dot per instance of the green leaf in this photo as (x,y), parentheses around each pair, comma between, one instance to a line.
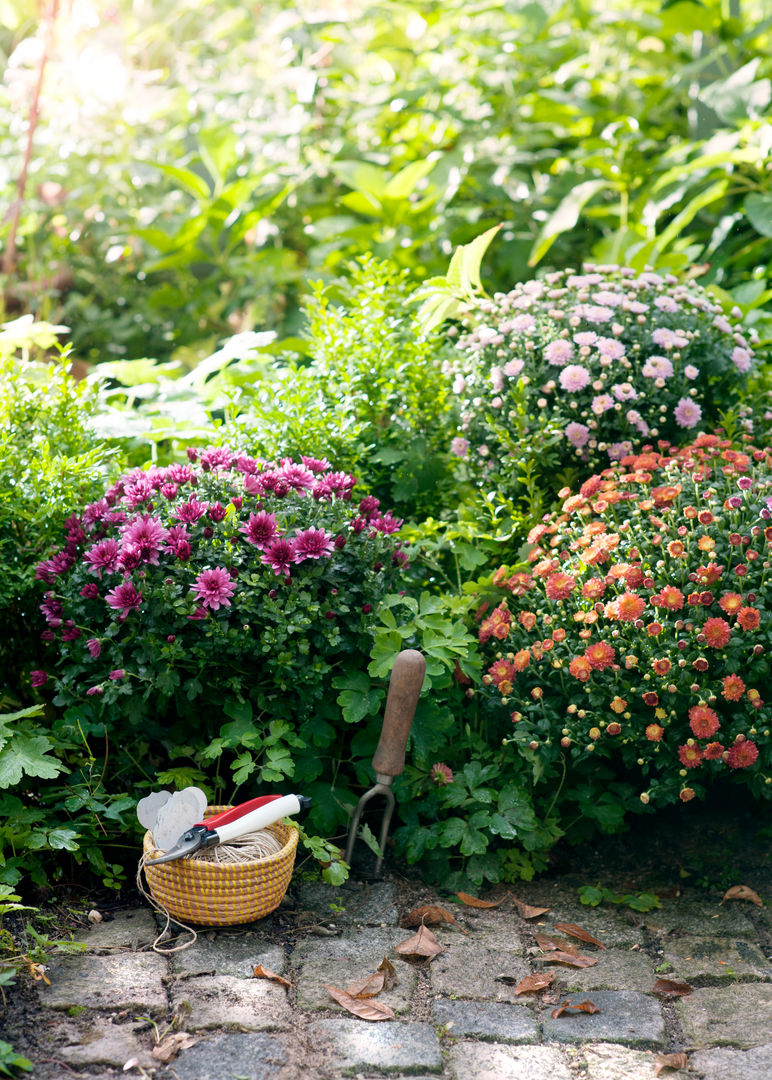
(403,184)
(758,210)
(740,97)
(565,217)
(192,182)
(361,176)
(451,831)
(590,895)
(27,755)
(464,270)
(682,219)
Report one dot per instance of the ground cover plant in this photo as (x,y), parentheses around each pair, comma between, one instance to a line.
(633,648)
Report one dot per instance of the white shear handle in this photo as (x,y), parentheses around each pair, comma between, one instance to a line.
(260,818)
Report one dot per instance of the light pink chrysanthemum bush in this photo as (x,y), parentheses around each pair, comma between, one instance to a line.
(588,366)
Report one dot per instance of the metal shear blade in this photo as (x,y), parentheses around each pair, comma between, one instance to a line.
(194,839)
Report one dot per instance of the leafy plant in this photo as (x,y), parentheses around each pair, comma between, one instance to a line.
(593,895)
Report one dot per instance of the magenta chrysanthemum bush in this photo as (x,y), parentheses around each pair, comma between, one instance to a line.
(590,366)
(228,578)
(638,638)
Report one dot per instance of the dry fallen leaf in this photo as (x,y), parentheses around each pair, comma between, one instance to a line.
(429,914)
(368,987)
(576,931)
(474,901)
(525,911)
(671,988)
(550,944)
(566,1007)
(261,972)
(37,971)
(390,979)
(422,944)
(531,983)
(365,1010)
(742,892)
(669,1061)
(168,1048)
(570,960)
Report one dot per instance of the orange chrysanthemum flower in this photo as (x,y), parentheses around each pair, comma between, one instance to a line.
(618,704)
(706,543)
(703,721)
(654,732)
(717,633)
(527,620)
(742,754)
(731,602)
(627,608)
(676,549)
(690,756)
(661,666)
(600,655)
(580,668)
(669,597)
(706,575)
(559,586)
(594,588)
(713,751)
(734,687)
(749,618)
(521,659)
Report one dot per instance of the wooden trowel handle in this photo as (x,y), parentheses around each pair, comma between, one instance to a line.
(407,678)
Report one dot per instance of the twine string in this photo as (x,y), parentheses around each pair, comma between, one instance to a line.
(249,848)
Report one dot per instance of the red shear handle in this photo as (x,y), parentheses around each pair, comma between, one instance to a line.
(236,812)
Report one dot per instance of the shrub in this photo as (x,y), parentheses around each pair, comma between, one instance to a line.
(50,460)
(198,614)
(636,645)
(583,368)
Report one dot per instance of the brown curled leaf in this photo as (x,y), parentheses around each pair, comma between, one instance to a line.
(390,979)
(571,960)
(576,931)
(531,984)
(566,1007)
(420,945)
(551,944)
(365,1010)
(368,987)
(474,901)
(167,1049)
(428,914)
(527,911)
(261,972)
(671,988)
(669,1061)
(742,892)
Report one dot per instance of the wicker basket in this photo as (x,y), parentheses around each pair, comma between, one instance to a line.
(223,894)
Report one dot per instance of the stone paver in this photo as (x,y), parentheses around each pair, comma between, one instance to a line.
(607,1061)
(228,953)
(101,1042)
(259,1057)
(486,1020)
(478,1061)
(716,959)
(625,1016)
(222,1001)
(616,969)
(338,961)
(740,1015)
(701,919)
(614,927)
(468,970)
(726,1064)
(391,1047)
(351,904)
(126,930)
(120,981)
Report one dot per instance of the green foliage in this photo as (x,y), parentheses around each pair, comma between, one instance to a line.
(593,895)
(11,1062)
(50,460)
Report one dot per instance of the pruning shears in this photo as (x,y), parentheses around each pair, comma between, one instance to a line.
(227,825)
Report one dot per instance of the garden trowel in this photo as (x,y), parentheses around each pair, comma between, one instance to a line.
(407,678)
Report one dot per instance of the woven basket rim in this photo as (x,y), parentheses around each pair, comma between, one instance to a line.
(291,832)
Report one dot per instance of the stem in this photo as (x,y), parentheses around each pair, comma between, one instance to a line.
(9,258)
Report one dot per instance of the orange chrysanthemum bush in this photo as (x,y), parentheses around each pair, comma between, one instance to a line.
(634,651)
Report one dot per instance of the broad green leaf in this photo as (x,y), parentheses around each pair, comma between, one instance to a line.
(192,182)
(403,184)
(758,210)
(361,176)
(464,269)
(362,202)
(704,161)
(739,97)
(27,755)
(689,212)
(565,217)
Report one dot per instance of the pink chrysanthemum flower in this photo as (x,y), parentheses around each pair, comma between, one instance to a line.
(94,647)
(190,511)
(441,774)
(657,367)
(297,476)
(559,352)
(124,598)
(610,348)
(459,446)
(687,413)
(145,534)
(260,530)
(103,556)
(313,544)
(279,555)
(214,588)
(577,434)
(574,377)
(602,403)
